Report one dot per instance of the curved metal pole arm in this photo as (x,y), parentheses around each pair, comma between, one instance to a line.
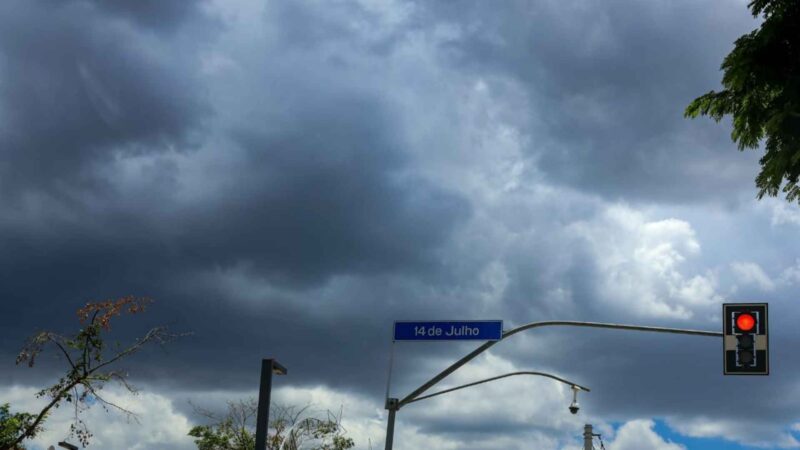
(610,325)
(453,367)
(527,372)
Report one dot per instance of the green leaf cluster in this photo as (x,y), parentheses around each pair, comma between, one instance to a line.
(761,92)
(13,425)
(223,436)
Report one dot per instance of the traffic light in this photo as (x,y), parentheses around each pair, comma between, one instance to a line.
(746,342)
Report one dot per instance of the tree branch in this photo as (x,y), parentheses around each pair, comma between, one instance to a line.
(128,412)
(64,351)
(156,333)
(31,429)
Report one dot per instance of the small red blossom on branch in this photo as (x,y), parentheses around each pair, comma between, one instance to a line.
(102,312)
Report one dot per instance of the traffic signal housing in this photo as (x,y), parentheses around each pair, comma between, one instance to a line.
(746,340)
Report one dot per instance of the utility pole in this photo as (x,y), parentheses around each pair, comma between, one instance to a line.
(587,437)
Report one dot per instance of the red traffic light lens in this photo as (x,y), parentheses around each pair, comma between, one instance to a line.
(745,322)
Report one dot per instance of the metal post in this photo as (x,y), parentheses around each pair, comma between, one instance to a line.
(268,367)
(389,377)
(392,406)
(264,391)
(587,437)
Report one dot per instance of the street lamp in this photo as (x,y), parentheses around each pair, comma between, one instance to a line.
(393,404)
(67,446)
(268,367)
(575,386)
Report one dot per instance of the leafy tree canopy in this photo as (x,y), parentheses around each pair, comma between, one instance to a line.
(291,428)
(762,93)
(12,425)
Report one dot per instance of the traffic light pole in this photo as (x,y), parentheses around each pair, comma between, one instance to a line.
(393,405)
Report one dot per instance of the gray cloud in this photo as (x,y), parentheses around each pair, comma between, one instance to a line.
(159,15)
(291,192)
(609,83)
(80,92)
(305,191)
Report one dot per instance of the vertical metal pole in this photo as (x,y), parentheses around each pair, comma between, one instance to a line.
(264,391)
(392,404)
(390,425)
(391,363)
(587,437)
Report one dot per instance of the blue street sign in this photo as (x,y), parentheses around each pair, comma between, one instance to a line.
(449,330)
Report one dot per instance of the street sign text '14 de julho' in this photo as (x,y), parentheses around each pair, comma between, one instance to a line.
(450,330)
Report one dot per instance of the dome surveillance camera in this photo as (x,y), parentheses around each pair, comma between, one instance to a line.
(574,408)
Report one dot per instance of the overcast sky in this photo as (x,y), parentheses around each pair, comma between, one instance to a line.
(287,178)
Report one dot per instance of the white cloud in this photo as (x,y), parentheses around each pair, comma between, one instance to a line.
(791,275)
(365,419)
(539,416)
(750,273)
(494,280)
(744,432)
(783,213)
(640,264)
(362,419)
(160,425)
(639,434)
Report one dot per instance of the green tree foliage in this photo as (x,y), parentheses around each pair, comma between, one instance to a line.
(290,429)
(762,93)
(12,425)
(89,364)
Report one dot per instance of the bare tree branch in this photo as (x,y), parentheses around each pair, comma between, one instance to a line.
(97,396)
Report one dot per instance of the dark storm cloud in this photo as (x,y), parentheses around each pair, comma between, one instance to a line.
(79,91)
(317,185)
(608,83)
(160,15)
(304,228)
(325,197)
